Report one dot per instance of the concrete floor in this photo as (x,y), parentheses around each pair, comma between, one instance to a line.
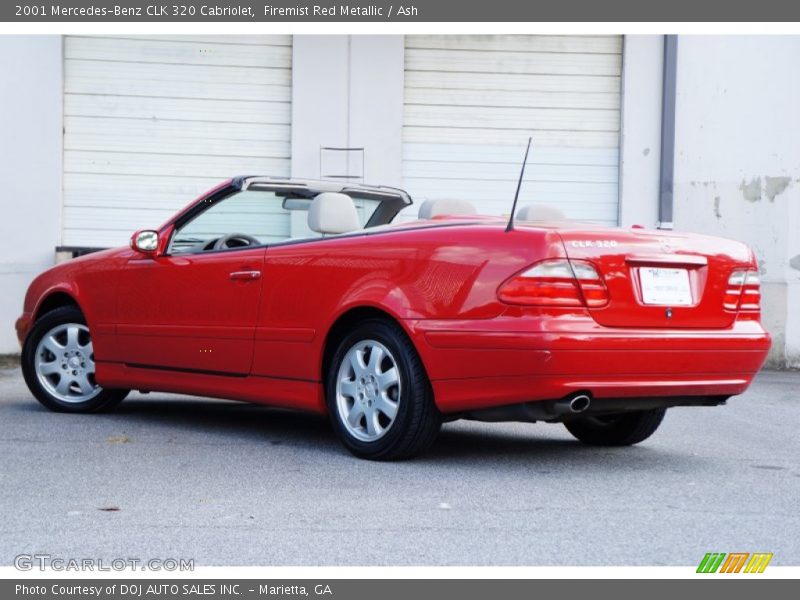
(233,484)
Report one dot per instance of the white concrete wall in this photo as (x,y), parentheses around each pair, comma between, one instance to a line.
(737,164)
(376,105)
(320,72)
(30,168)
(640,155)
(348,92)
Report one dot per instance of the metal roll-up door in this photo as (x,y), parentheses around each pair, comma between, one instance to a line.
(472,101)
(152,121)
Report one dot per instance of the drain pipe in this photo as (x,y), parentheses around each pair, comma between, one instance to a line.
(668,95)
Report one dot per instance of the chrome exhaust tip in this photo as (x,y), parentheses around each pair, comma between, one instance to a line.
(580,403)
(572,405)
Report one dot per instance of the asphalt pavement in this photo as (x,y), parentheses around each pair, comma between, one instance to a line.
(228,483)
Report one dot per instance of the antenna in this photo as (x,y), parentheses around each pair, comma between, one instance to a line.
(510,225)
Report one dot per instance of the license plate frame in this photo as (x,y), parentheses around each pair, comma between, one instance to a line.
(665,286)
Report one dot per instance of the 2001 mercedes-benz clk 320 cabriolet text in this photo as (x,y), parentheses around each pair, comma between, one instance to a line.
(301,294)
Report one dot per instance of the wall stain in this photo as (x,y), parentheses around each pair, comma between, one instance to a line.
(716,208)
(774,186)
(751,191)
(794,262)
(646,151)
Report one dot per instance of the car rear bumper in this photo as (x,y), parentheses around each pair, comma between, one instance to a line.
(481,364)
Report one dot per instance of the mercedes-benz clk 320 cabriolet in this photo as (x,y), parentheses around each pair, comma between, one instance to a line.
(302,294)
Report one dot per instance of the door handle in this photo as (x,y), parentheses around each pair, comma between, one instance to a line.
(245,275)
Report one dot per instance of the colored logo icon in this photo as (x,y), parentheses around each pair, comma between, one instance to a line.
(734,562)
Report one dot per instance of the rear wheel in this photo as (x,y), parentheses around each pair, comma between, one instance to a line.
(58,364)
(616,430)
(378,395)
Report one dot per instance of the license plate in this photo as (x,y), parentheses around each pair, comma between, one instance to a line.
(665,287)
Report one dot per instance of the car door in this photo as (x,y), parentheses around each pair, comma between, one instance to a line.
(195,313)
(195,307)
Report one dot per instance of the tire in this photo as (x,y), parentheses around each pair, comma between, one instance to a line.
(58,364)
(392,416)
(617,430)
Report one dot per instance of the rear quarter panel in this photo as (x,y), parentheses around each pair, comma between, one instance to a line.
(443,272)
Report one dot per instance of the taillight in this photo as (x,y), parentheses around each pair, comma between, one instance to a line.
(751,292)
(743,291)
(556,282)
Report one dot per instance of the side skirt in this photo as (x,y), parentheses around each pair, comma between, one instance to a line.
(272,391)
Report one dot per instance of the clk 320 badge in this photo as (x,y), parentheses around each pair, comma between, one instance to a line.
(594,243)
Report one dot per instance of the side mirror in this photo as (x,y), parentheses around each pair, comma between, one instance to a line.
(145,241)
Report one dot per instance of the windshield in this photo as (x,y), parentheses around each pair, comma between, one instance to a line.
(255,217)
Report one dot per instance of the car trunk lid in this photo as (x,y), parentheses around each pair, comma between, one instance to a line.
(658,278)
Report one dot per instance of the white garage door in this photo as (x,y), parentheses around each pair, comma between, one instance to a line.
(472,101)
(151,121)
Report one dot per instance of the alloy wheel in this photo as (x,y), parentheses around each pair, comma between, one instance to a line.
(65,363)
(368,390)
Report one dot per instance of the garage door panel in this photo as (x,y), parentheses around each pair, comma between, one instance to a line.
(471,102)
(125,86)
(514,62)
(610,44)
(511,118)
(152,121)
(236,40)
(222,167)
(511,137)
(444,80)
(87,76)
(156,192)
(495,171)
(173,137)
(174,52)
(218,111)
(84,82)
(509,154)
(514,98)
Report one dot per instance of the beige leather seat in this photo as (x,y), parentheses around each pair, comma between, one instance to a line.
(437,208)
(333,213)
(540,212)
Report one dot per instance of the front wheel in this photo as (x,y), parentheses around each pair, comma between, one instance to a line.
(378,395)
(616,430)
(58,364)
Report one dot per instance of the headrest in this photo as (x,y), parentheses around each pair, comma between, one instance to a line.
(540,212)
(332,212)
(436,208)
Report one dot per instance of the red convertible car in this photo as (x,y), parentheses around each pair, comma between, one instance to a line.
(302,294)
